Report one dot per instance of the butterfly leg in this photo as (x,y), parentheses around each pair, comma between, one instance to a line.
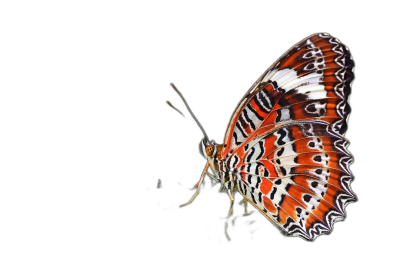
(213,177)
(245,208)
(197,184)
(198,187)
(230,213)
(245,205)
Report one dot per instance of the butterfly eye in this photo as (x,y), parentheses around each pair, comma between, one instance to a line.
(210,150)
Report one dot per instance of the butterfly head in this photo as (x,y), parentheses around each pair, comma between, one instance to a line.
(211,151)
(208,149)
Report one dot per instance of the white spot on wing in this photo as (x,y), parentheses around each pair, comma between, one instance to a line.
(302,81)
(285,115)
(308,89)
(287,161)
(284,76)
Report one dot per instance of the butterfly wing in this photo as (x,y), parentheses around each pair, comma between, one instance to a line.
(287,138)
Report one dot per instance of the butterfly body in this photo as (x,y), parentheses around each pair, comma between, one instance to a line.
(284,149)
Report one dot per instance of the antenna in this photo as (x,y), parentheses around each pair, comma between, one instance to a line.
(190,111)
(170,104)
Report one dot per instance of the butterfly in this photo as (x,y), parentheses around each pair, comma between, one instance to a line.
(284,149)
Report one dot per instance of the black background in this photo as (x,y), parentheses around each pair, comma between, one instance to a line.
(152,153)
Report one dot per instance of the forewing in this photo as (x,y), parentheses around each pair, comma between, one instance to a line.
(310,81)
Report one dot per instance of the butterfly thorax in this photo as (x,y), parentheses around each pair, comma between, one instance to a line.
(212,152)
